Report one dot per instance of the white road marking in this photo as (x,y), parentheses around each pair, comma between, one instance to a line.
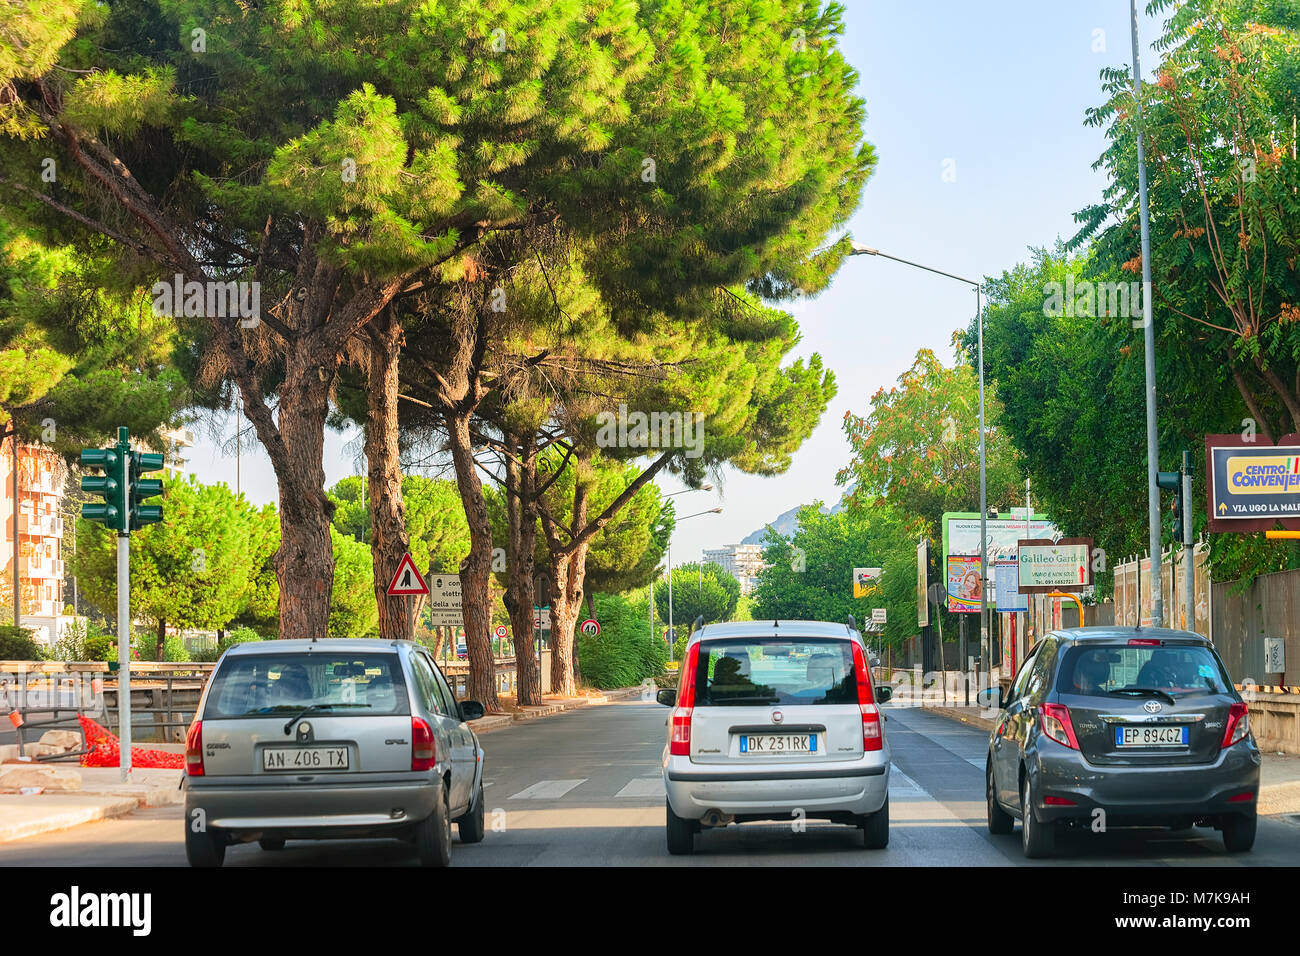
(901,783)
(979,762)
(548,789)
(643,787)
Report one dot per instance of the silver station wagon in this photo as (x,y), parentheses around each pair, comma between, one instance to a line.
(331,739)
(775,720)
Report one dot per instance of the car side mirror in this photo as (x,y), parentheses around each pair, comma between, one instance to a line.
(884,693)
(989,698)
(471,710)
(667,696)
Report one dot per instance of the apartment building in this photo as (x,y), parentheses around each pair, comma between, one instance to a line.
(741,561)
(41,478)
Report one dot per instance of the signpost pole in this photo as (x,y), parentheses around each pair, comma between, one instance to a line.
(123,608)
(1189,578)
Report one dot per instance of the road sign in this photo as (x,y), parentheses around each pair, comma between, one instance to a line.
(961,536)
(542,617)
(1008,597)
(445,599)
(922,573)
(502,631)
(879,615)
(1061,565)
(865,581)
(1251,485)
(590,627)
(407,579)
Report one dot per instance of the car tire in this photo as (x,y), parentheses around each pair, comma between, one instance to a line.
(1239,832)
(433,833)
(271,845)
(875,828)
(204,849)
(471,825)
(681,833)
(1001,823)
(1038,837)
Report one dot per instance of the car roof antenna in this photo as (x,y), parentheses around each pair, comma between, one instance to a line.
(853,623)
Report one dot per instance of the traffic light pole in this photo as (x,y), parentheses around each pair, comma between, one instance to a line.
(1189,575)
(124,614)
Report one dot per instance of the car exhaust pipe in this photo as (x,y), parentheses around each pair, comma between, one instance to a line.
(716,818)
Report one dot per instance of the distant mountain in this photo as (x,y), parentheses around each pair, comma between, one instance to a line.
(787,522)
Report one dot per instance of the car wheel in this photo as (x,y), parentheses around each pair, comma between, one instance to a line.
(471,824)
(1239,832)
(681,833)
(1038,837)
(271,845)
(433,833)
(1000,822)
(204,849)
(875,828)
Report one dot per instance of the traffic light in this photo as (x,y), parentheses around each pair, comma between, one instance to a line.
(141,488)
(110,514)
(1173,480)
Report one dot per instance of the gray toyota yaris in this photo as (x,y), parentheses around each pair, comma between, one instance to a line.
(1133,727)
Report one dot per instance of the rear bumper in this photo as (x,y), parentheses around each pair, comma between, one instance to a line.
(1145,794)
(845,787)
(314,810)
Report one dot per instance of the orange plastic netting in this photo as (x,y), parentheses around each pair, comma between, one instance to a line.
(106,751)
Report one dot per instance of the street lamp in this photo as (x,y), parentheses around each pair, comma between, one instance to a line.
(860,250)
(684,491)
(671,636)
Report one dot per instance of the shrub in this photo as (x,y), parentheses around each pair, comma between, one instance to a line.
(16,644)
(240,635)
(174,650)
(624,653)
(100,647)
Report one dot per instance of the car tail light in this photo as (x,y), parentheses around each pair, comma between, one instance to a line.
(194,749)
(1144,642)
(1243,797)
(424,752)
(1238,725)
(679,740)
(873,737)
(1056,723)
(1050,801)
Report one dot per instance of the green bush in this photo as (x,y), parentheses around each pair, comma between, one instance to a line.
(240,635)
(16,644)
(624,653)
(174,650)
(100,647)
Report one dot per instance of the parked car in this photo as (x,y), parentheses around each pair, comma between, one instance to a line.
(331,739)
(462,652)
(772,719)
(1129,727)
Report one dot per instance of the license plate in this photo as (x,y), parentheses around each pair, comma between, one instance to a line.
(763,744)
(305,758)
(1163,736)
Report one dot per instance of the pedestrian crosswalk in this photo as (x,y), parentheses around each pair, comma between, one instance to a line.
(650,786)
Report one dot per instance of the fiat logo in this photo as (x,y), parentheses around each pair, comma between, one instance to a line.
(778,716)
(1152,707)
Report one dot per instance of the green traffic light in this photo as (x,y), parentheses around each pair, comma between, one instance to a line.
(99,486)
(105,514)
(1169,480)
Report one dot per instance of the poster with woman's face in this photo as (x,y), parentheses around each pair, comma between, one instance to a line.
(963,583)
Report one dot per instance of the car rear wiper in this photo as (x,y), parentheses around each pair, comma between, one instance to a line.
(1146,691)
(307,710)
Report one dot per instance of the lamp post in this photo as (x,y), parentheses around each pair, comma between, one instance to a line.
(704,487)
(671,636)
(860,250)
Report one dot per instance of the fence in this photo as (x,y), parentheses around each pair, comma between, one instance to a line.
(1270,607)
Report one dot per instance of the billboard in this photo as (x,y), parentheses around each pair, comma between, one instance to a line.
(1251,484)
(961,536)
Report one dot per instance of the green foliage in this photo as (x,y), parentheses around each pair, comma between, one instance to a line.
(353,612)
(624,653)
(100,647)
(174,649)
(435,519)
(708,590)
(84,640)
(16,644)
(240,635)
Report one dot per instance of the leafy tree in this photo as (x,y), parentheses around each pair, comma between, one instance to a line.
(918,448)
(353,611)
(193,570)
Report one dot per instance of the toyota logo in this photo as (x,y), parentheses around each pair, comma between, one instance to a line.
(778,716)
(1152,707)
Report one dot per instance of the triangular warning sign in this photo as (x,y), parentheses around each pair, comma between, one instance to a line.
(408,579)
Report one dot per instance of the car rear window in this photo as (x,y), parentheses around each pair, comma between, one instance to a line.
(256,684)
(1174,669)
(791,671)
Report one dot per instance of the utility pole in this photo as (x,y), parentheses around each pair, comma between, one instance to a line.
(1149,341)
(1189,576)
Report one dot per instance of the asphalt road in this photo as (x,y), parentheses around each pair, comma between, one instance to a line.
(583,789)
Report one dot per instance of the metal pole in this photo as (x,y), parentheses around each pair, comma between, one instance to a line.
(124,610)
(671,635)
(986,658)
(18,598)
(1189,577)
(1149,340)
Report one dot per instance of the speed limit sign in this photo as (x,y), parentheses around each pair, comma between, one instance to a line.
(590,627)
(501,630)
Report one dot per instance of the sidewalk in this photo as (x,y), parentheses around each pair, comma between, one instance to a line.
(102,795)
(1279,790)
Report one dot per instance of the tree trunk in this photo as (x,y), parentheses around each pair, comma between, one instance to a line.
(389,540)
(569,571)
(477,566)
(304,562)
(521,518)
(162,640)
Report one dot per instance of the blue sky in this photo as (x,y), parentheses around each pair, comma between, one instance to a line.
(996,87)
